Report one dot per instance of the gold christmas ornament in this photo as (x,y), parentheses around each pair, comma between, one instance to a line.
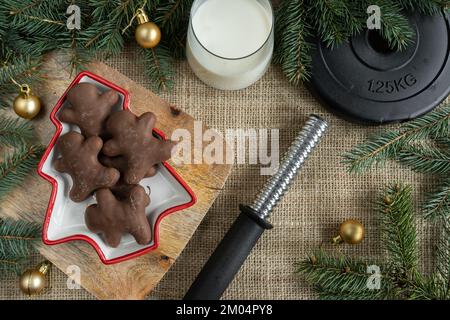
(34,281)
(26,104)
(147,33)
(350,232)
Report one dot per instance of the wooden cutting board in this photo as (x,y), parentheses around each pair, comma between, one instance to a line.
(133,279)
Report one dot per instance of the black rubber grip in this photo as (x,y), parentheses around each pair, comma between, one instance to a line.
(228,257)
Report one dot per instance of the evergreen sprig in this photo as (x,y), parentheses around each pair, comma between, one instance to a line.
(17,239)
(158,67)
(397,144)
(437,205)
(14,132)
(16,166)
(293,49)
(338,277)
(334,21)
(441,277)
(344,278)
(425,158)
(423,6)
(399,230)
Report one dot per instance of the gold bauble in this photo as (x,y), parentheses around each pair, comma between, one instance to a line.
(350,232)
(147,33)
(34,281)
(26,104)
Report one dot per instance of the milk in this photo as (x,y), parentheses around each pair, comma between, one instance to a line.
(230,42)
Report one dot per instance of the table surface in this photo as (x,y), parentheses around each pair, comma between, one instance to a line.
(323,195)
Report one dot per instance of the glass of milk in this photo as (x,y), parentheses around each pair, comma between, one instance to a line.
(230,42)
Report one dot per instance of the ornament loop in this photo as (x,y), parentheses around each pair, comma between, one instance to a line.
(44,267)
(24,88)
(141,16)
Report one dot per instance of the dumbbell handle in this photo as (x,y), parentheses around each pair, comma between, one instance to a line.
(228,257)
(232,251)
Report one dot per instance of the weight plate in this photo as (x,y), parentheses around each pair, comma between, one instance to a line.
(364,80)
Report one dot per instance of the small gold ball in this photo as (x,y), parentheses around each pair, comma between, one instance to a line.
(147,35)
(27,105)
(351,232)
(32,282)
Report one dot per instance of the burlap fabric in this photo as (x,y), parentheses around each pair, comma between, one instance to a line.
(323,195)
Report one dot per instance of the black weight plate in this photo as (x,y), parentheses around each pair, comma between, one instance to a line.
(364,80)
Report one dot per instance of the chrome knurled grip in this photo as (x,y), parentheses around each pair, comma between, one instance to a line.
(293,160)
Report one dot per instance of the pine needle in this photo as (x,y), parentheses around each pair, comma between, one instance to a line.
(14,132)
(16,167)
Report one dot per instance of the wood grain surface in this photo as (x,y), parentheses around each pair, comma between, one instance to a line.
(133,279)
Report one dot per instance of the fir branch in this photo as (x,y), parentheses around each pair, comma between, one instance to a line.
(14,132)
(38,17)
(399,229)
(17,68)
(442,275)
(103,36)
(429,7)
(425,158)
(17,239)
(16,167)
(437,285)
(437,205)
(77,55)
(387,145)
(334,21)
(34,45)
(172,15)
(339,277)
(158,67)
(442,142)
(292,50)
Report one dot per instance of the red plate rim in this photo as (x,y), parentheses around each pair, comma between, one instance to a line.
(51,204)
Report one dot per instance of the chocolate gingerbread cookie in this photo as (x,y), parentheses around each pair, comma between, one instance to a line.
(132,139)
(112,217)
(120,163)
(89,108)
(79,158)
